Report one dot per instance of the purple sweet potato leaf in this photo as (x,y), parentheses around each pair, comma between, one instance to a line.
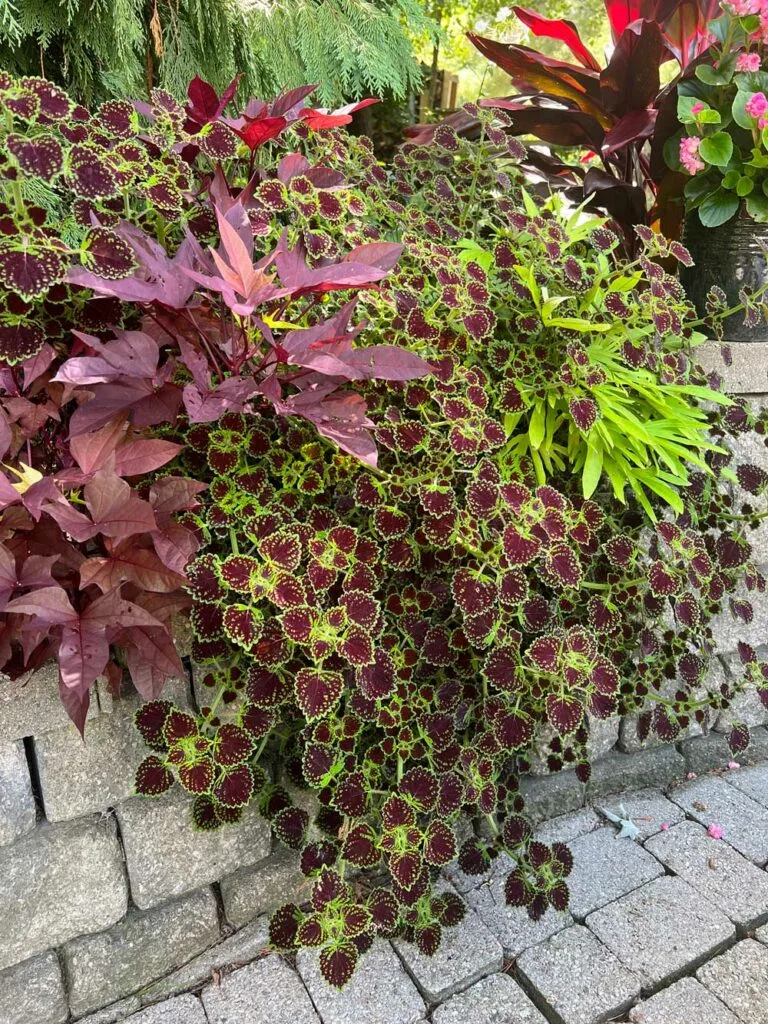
(49,605)
(117,511)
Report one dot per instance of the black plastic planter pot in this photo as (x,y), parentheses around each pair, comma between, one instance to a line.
(732,256)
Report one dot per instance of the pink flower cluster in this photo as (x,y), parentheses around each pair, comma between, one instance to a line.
(756,105)
(689,154)
(748,62)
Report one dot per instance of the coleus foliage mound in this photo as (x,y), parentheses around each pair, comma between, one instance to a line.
(132,301)
(395,638)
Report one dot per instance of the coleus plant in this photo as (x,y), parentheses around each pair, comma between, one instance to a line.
(618,114)
(132,298)
(394,638)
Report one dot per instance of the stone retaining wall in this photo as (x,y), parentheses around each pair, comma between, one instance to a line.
(108,900)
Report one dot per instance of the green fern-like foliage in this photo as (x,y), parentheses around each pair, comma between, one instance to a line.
(102,48)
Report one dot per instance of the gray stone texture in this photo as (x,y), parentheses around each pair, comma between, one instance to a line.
(647,809)
(706,753)
(618,773)
(58,882)
(744,822)
(762,934)
(104,968)
(245,945)
(717,872)
(603,736)
(739,978)
(746,707)
(467,953)
(185,1009)
(566,827)
(267,990)
(747,374)
(253,891)
(751,781)
(685,1002)
(661,930)
(629,739)
(167,857)
(81,775)
(31,704)
(727,630)
(550,795)
(33,992)
(494,1000)
(511,925)
(113,1012)
(605,868)
(17,804)
(380,992)
(578,978)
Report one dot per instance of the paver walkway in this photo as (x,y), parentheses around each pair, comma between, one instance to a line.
(667,928)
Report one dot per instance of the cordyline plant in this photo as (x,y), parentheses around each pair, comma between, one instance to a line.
(131,297)
(619,114)
(395,637)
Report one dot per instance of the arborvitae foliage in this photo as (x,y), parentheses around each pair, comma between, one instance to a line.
(103,48)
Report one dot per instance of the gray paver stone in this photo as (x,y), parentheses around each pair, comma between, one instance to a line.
(550,795)
(605,868)
(33,991)
(716,871)
(246,944)
(661,930)
(744,822)
(648,809)
(166,856)
(32,704)
(113,1012)
(267,990)
(79,776)
(712,751)
(59,881)
(494,1000)
(762,934)
(511,925)
(618,773)
(253,891)
(752,781)
(17,804)
(581,980)
(746,707)
(747,372)
(467,953)
(566,827)
(380,992)
(185,1009)
(739,978)
(145,946)
(685,1002)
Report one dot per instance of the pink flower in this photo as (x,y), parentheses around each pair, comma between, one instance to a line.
(691,775)
(732,765)
(665,827)
(689,158)
(715,831)
(756,105)
(748,62)
(697,108)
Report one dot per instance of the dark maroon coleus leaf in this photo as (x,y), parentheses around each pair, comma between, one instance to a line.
(290,826)
(317,691)
(337,963)
(152,777)
(284,926)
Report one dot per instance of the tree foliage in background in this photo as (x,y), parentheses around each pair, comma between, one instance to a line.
(102,48)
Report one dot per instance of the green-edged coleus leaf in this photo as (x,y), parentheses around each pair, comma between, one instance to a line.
(439,844)
(284,927)
(30,268)
(338,962)
(153,777)
(150,720)
(290,826)
(318,691)
(359,846)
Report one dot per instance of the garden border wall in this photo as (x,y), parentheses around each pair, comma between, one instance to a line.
(109,900)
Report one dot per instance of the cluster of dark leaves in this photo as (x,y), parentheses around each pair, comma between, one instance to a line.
(132,302)
(397,640)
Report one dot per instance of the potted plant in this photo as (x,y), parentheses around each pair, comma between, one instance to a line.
(722,146)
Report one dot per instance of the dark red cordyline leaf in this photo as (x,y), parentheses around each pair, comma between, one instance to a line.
(233,744)
(40,156)
(513,731)
(738,738)
(284,926)
(204,815)
(584,412)
(519,549)
(150,721)
(515,890)
(310,933)
(663,581)
(197,777)
(564,712)
(152,777)
(337,964)
(439,844)
(383,909)
(405,868)
(318,855)
(427,940)
(360,846)
(234,787)
(317,691)
(421,786)
(328,887)
(560,29)
(290,826)
(178,726)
